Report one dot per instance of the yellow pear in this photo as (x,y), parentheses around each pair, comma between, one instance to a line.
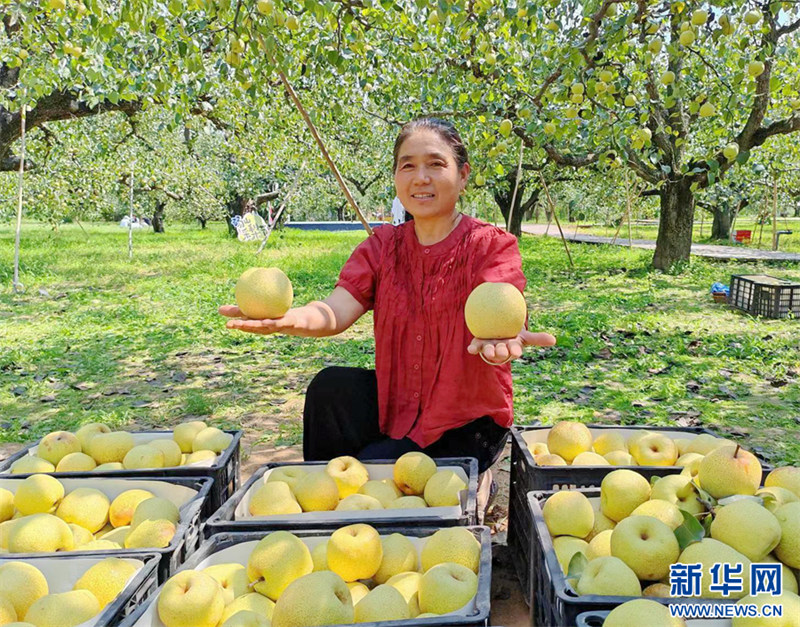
(451,544)
(31,464)
(704,444)
(789,601)
(143,456)
(355,552)
(246,618)
(601,521)
(99,545)
(108,466)
(276,561)
(250,602)
(56,445)
(609,440)
(399,555)
(8,615)
(6,504)
(382,603)
(110,447)
(621,492)
(200,457)
(682,444)
(748,527)
(787,477)
(609,576)
(124,505)
(38,494)
(76,462)
(446,588)
(80,535)
(155,508)
(407,502)
(88,431)
(65,609)
(788,549)
(635,437)
(290,475)
(646,545)
(566,547)
(708,552)
(495,311)
(349,474)
(659,590)
(443,488)
(788,578)
(185,433)
(568,513)
(170,450)
(319,556)
(538,448)
(687,459)
(380,491)
(679,490)
(641,612)
(263,293)
(5,529)
(408,585)
(359,503)
(775,496)
(156,534)
(729,470)
(587,458)
(568,439)
(412,471)
(86,507)
(317,492)
(117,535)
(211,439)
(599,546)
(190,599)
(550,459)
(273,498)
(320,598)
(40,533)
(654,449)
(233,579)
(665,511)
(106,579)
(22,584)
(357,591)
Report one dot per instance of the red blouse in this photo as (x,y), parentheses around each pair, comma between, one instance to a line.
(427,381)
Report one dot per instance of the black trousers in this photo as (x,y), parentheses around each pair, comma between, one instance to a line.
(340,417)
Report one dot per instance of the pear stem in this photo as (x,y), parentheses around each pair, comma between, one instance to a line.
(736,452)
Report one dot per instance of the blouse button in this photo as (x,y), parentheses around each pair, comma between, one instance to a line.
(416,394)
(416,366)
(427,250)
(419,338)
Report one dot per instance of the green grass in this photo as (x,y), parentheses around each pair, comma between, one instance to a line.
(140,343)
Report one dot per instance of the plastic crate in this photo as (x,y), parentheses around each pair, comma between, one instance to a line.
(766,296)
(189,494)
(63,572)
(146,615)
(526,476)
(227,518)
(224,470)
(591,619)
(553,601)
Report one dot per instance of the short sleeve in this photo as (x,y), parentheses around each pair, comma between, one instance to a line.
(360,272)
(500,261)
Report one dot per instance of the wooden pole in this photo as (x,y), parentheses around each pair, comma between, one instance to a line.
(17,287)
(775,214)
(317,138)
(130,215)
(558,223)
(516,186)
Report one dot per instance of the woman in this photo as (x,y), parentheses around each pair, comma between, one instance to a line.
(435,388)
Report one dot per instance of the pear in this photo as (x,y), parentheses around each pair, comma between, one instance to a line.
(568,513)
(641,612)
(320,598)
(276,561)
(99,545)
(88,431)
(358,591)
(619,458)
(288,474)
(382,603)
(190,599)
(80,535)
(211,439)
(155,534)
(38,494)
(380,491)
(446,588)
(22,584)
(106,579)
(108,466)
(789,618)
(729,470)
(31,464)
(566,547)
(349,474)
(40,533)
(355,552)
(5,529)
(788,577)
(317,492)
(609,576)
(646,545)
(654,449)
(587,458)
(76,462)
(143,456)
(621,492)
(658,590)
(748,527)
(273,498)
(399,555)
(451,544)
(666,512)
(185,433)
(170,450)
(233,579)
(787,477)
(788,549)
(708,552)
(408,585)
(110,447)
(56,445)
(538,448)
(775,496)
(65,609)
(549,459)
(568,439)
(704,444)
(155,508)
(609,440)
(117,535)
(246,618)
(8,615)
(199,457)
(86,507)
(360,503)
(443,488)
(319,556)
(678,490)
(250,602)
(600,546)
(407,502)
(601,521)
(412,471)
(6,504)
(124,505)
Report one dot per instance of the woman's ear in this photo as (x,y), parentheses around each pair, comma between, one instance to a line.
(464,175)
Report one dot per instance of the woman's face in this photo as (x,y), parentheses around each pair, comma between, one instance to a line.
(428,180)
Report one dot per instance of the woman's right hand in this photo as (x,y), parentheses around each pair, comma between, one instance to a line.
(289,323)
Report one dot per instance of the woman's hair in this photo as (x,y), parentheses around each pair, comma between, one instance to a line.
(446,130)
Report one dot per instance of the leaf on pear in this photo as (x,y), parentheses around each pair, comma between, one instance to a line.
(705,498)
(576,567)
(740,497)
(690,531)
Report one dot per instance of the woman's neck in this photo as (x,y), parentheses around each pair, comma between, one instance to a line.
(431,231)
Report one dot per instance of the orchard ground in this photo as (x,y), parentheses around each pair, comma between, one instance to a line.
(135,344)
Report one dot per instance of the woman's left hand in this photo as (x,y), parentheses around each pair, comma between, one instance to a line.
(498,352)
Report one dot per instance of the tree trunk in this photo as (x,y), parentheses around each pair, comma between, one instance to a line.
(158,217)
(503,199)
(340,211)
(202,221)
(674,243)
(723,220)
(235,207)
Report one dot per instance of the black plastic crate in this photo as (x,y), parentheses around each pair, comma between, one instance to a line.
(188,533)
(140,588)
(526,476)
(480,618)
(766,296)
(225,471)
(591,619)
(553,601)
(224,518)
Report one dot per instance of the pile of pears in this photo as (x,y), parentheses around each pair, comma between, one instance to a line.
(344,485)
(25,594)
(571,443)
(628,536)
(40,517)
(96,448)
(353,575)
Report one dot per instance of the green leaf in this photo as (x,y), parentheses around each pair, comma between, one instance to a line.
(690,531)
(576,567)
(740,497)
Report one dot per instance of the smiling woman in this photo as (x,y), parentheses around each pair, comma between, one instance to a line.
(429,391)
